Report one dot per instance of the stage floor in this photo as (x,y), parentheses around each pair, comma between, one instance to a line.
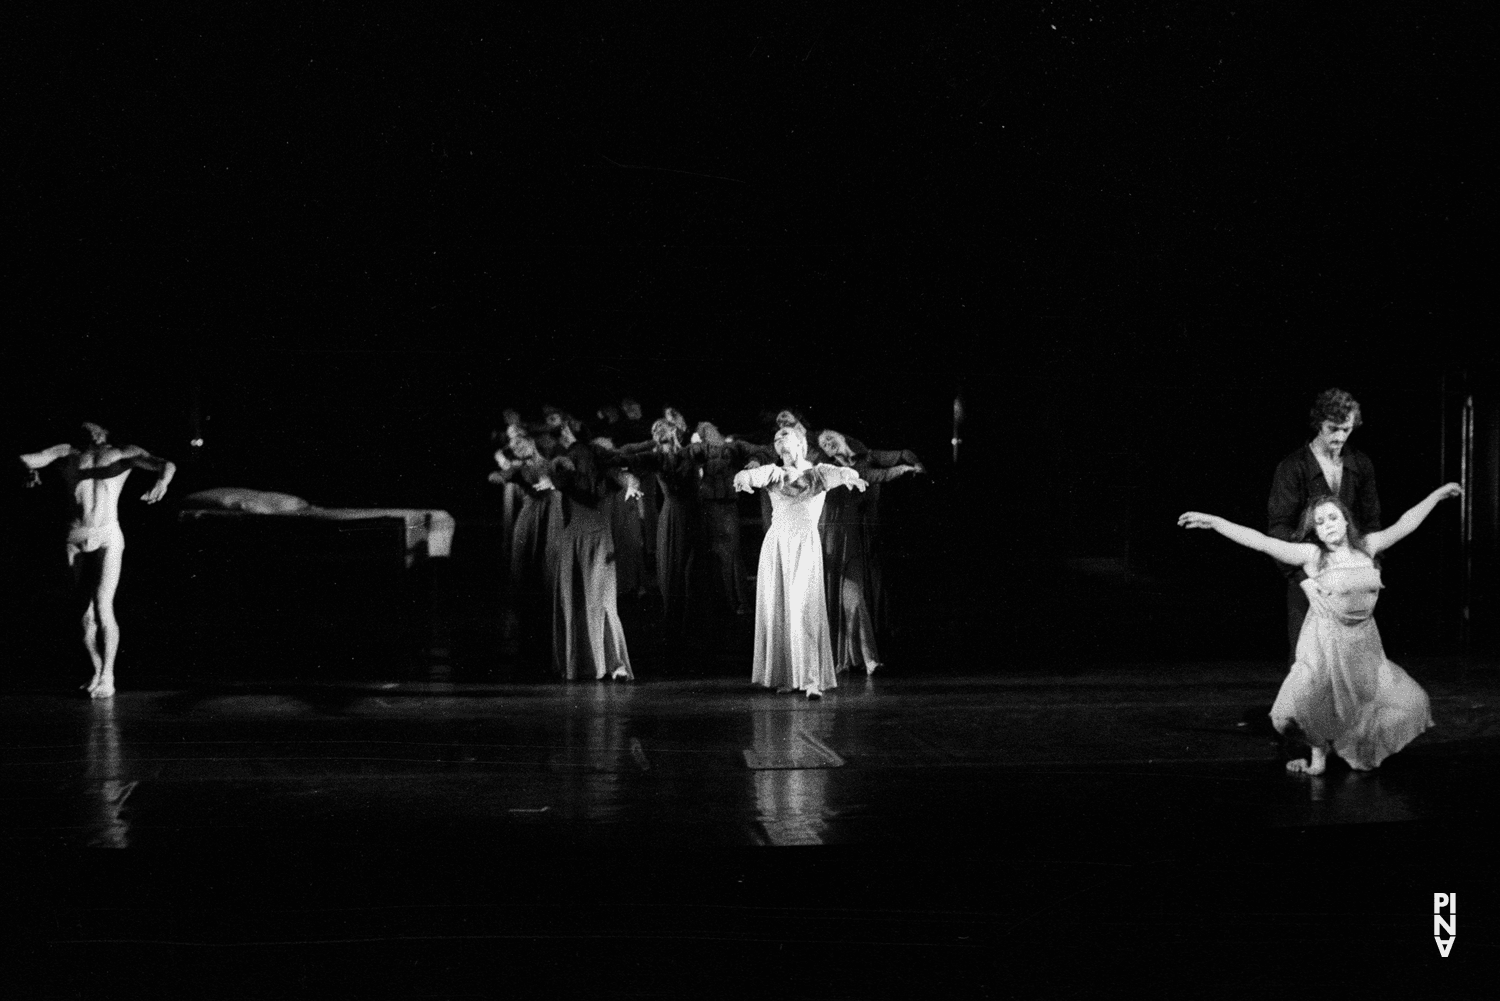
(988,836)
(1094,759)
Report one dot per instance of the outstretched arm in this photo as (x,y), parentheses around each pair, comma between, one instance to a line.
(892,458)
(47,456)
(33,461)
(841,476)
(1294,553)
(139,458)
(750,480)
(1408,522)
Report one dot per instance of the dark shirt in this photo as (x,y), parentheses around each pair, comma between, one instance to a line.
(579,475)
(718,464)
(1299,479)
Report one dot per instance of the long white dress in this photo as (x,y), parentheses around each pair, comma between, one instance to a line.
(792,646)
(1342,691)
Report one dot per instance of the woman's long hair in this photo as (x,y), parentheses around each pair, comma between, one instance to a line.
(1308,531)
(667,436)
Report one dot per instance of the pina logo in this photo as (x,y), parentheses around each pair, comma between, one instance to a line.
(1445,925)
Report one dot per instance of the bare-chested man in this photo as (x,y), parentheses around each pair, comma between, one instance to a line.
(95,471)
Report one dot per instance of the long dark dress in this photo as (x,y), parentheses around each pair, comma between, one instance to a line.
(625,529)
(628,430)
(528,571)
(587,637)
(678,531)
(851,567)
(721,518)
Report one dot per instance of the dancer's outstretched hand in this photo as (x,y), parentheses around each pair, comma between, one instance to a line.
(1197,519)
(1448,490)
(156,493)
(742,482)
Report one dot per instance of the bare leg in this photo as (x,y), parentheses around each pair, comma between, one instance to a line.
(111,557)
(1317,764)
(85,568)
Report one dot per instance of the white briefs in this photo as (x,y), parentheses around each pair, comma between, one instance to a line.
(87,539)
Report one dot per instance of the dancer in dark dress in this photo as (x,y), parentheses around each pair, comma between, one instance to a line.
(677,527)
(633,428)
(851,566)
(587,637)
(718,460)
(529,476)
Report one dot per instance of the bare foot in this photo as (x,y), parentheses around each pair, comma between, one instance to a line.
(1316,766)
(93,684)
(871,666)
(103,691)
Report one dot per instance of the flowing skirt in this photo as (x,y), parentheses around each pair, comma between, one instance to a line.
(721,528)
(587,637)
(792,648)
(675,544)
(848,586)
(530,598)
(625,531)
(1343,692)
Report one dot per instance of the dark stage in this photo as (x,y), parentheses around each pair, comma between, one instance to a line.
(983,832)
(1090,263)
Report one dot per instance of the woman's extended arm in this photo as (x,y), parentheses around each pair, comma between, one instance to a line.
(1295,553)
(841,476)
(889,458)
(749,480)
(1408,522)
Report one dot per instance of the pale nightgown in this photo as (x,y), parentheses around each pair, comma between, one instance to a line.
(792,647)
(1341,690)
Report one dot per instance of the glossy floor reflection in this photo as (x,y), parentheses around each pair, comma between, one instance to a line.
(1087,764)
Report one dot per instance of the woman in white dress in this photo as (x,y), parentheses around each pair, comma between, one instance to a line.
(1341,693)
(792,647)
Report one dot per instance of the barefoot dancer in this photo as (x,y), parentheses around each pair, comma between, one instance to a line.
(1341,691)
(95,471)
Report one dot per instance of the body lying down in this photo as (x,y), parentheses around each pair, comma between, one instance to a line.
(425,527)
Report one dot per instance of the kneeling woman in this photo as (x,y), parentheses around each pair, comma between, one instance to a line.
(1342,692)
(792,647)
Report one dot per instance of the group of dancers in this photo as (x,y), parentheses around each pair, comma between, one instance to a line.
(584,510)
(587,512)
(1341,695)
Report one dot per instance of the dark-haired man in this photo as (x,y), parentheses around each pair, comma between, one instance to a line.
(1325,466)
(95,473)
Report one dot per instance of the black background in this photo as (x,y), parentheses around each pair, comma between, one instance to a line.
(1136,238)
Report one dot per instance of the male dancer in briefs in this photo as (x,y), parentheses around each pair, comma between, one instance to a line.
(95,472)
